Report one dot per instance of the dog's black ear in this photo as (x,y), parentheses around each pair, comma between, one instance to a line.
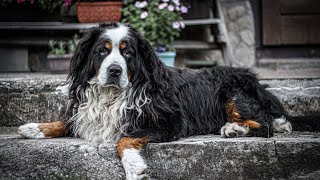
(148,56)
(81,68)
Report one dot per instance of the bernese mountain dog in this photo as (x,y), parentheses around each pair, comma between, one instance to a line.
(121,91)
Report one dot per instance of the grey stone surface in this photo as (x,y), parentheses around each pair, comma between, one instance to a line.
(239,21)
(299,97)
(294,156)
(25,100)
(29,99)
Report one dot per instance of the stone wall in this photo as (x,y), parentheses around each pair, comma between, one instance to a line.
(239,21)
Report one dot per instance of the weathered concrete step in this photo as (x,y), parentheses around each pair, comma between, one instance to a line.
(295,156)
(44,98)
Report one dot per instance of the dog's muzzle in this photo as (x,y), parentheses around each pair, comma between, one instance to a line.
(114,72)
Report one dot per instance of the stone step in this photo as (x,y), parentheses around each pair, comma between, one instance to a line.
(43,98)
(295,156)
(289,63)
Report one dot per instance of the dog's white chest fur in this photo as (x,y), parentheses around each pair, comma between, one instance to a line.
(101,113)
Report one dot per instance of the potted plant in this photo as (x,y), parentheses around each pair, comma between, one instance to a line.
(91,11)
(60,53)
(159,21)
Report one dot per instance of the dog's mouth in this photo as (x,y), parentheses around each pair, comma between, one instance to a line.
(113,82)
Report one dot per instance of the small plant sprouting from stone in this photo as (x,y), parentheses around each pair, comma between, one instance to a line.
(64,47)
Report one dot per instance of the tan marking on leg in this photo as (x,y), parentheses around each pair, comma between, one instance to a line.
(129,142)
(234,116)
(232,112)
(250,124)
(53,129)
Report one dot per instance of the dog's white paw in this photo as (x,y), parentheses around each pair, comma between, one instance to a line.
(233,130)
(282,125)
(30,130)
(134,165)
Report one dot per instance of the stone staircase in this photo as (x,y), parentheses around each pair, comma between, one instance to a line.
(42,98)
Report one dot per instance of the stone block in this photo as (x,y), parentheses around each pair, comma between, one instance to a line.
(199,157)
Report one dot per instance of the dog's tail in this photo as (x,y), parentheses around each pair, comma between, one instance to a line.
(305,123)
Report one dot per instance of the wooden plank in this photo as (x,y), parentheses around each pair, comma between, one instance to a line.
(200,63)
(300,29)
(45,26)
(184,44)
(299,7)
(271,24)
(201,21)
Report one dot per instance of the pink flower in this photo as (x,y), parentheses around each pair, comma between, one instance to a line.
(162,5)
(184,9)
(170,8)
(67,3)
(144,15)
(175,25)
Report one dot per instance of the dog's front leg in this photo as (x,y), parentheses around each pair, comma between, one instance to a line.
(133,163)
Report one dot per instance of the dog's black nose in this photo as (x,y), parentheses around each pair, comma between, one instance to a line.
(114,70)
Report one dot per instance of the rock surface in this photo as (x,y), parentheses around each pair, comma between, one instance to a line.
(45,99)
(295,156)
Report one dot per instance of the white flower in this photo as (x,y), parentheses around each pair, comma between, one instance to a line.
(170,8)
(184,9)
(182,25)
(175,25)
(162,5)
(177,2)
(165,0)
(144,14)
(177,8)
(142,4)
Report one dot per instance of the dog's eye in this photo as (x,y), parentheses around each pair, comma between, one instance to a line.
(125,52)
(103,51)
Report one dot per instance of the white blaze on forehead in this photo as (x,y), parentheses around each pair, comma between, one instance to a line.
(116,34)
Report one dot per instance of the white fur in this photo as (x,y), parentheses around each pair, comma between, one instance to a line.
(31,130)
(115,57)
(233,129)
(102,111)
(134,165)
(282,125)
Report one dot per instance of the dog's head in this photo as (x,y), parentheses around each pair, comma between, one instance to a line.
(112,55)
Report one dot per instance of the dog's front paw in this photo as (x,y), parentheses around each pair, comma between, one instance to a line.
(134,165)
(233,130)
(30,130)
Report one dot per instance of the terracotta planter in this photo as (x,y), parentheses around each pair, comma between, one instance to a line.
(92,12)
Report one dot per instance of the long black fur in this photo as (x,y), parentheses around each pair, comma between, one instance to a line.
(184,102)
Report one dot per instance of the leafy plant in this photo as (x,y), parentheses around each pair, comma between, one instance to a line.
(64,47)
(158,20)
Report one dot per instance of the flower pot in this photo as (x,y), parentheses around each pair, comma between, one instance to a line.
(92,12)
(59,63)
(167,58)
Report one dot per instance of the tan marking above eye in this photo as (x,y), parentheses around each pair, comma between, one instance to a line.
(108,45)
(123,45)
